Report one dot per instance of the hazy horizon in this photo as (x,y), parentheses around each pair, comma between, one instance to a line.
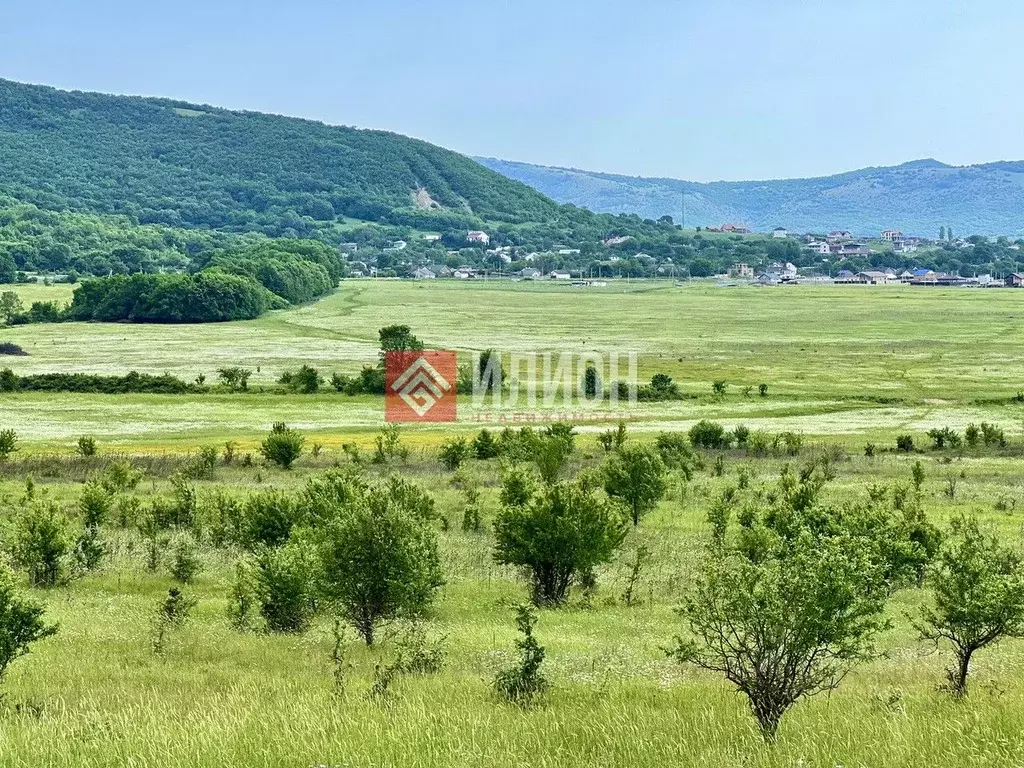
(659,89)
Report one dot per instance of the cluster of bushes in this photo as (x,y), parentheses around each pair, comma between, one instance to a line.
(164,384)
(296,270)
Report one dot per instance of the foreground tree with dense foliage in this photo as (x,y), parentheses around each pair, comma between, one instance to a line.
(559,534)
(378,552)
(21,622)
(978,596)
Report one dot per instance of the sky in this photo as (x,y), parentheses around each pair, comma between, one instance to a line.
(719,89)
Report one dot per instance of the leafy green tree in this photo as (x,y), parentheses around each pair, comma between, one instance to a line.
(10,305)
(42,543)
(551,452)
(454,452)
(282,446)
(977,596)
(8,268)
(560,534)
(379,560)
(636,475)
(782,618)
(524,683)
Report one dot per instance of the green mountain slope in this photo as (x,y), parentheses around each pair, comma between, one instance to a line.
(179,164)
(916,197)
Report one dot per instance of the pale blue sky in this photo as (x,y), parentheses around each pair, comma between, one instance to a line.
(726,89)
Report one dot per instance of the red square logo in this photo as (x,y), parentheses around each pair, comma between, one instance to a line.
(420,385)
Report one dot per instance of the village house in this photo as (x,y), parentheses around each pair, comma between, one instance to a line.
(873,277)
(616,240)
(1015,280)
(735,229)
(423,273)
(780,233)
(893,236)
(431,238)
(741,270)
(839,235)
(529,273)
(558,274)
(850,249)
(821,248)
(481,238)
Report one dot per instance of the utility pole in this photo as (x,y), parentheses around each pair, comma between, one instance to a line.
(682,200)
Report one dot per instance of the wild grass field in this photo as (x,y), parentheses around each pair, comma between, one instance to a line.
(845,367)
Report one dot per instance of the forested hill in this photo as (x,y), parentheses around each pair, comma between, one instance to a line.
(916,197)
(183,165)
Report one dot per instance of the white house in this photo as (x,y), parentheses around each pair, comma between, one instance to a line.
(558,274)
(892,236)
(780,232)
(481,238)
(424,274)
(820,248)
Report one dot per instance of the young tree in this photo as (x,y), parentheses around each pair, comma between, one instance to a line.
(21,622)
(551,452)
(636,475)
(282,446)
(978,595)
(782,617)
(379,560)
(10,305)
(560,535)
(8,443)
(42,543)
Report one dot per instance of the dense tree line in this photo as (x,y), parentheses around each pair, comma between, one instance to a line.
(95,383)
(208,296)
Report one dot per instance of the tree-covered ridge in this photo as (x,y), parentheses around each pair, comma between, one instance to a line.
(173,163)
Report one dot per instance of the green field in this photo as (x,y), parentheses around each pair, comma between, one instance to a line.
(844,365)
(850,360)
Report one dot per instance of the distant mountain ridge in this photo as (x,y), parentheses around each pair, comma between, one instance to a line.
(916,197)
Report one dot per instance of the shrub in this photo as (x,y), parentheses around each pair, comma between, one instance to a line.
(636,475)
(905,443)
(559,535)
(282,446)
(90,549)
(524,683)
(485,446)
(762,390)
(267,519)
(120,476)
(8,443)
(719,387)
(551,453)
(978,596)
(305,381)
(676,453)
(42,543)
(869,450)
(8,348)
(992,435)
(613,438)
(709,434)
(972,435)
(741,434)
(379,560)
(185,561)
(389,446)
(944,437)
(21,622)
(86,446)
(236,379)
(94,504)
(453,452)
(285,587)
(171,612)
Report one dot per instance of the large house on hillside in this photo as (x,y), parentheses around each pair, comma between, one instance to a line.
(735,229)
(481,238)
(893,236)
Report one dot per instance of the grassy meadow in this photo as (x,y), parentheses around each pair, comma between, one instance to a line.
(844,365)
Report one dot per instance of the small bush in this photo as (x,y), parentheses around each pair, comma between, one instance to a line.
(9,348)
(944,437)
(86,446)
(453,452)
(905,443)
(185,561)
(741,435)
(285,580)
(42,544)
(8,443)
(523,683)
(485,446)
(171,612)
(709,434)
(282,446)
